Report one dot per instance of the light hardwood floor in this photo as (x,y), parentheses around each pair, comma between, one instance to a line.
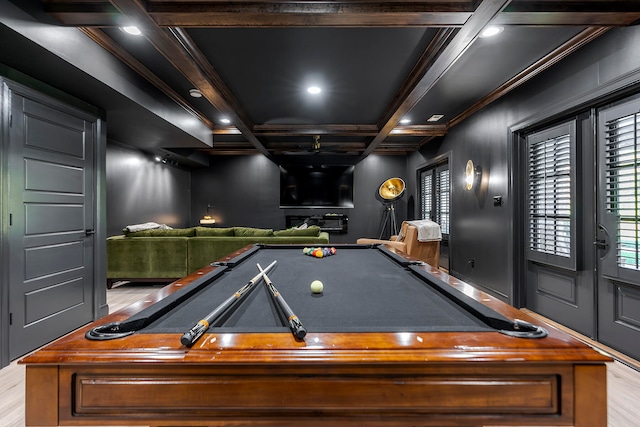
(623,381)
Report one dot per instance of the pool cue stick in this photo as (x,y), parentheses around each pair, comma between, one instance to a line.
(190,337)
(299,331)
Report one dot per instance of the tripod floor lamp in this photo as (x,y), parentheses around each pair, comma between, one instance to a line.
(389,193)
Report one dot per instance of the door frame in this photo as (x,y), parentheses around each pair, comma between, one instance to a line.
(4,226)
(31,88)
(614,283)
(587,103)
(432,164)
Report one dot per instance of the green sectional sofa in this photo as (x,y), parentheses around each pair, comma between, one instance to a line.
(164,255)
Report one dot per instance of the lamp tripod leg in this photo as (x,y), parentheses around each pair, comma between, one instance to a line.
(394,223)
(383,222)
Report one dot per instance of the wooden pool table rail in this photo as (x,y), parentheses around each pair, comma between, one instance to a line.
(346,379)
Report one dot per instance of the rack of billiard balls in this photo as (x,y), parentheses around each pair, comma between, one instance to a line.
(319,252)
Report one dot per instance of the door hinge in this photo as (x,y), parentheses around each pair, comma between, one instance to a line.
(10,219)
(10,120)
(10,319)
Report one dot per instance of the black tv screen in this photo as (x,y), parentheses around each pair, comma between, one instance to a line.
(316,186)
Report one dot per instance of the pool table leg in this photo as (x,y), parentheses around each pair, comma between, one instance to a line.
(590,403)
(41,399)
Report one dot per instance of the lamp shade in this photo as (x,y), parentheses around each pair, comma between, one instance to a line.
(392,189)
(470,175)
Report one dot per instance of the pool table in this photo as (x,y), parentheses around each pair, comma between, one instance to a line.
(390,341)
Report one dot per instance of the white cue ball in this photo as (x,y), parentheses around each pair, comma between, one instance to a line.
(317,286)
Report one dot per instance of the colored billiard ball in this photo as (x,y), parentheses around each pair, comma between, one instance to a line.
(317,287)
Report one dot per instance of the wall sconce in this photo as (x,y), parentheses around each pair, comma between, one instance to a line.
(207,220)
(472,173)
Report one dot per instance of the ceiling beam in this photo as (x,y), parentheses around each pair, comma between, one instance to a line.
(601,13)
(271,130)
(574,18)
(419,130)
(483,15)
(301,130)
(311,13)
(345,13)
(442,38)
(184,56)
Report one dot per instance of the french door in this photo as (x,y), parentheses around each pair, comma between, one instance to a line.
(558,222)
(618,238)
(582,224)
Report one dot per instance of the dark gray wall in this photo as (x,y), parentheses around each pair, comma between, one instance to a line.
(364,220)
(142,190)
(479,231)
(244,191)
(601,71)
(241,190)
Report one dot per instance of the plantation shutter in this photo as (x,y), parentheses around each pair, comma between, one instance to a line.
(619,215)
(426,194)
(622,169)
(434,196)
(551,196)
(442,190)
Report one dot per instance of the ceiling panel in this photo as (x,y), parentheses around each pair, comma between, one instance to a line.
(269,70)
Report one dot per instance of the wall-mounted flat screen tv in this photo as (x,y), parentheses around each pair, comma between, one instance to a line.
(316,186)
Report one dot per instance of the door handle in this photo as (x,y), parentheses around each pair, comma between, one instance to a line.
(601,244)
(89,232)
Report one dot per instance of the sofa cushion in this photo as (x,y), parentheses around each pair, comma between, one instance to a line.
(157,232)
(311,231)
(252,232)
(147,257)
(211,231)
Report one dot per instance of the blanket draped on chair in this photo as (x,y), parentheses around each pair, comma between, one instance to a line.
(428,231)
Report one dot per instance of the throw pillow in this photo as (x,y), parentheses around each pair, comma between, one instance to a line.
(311,231)
(252,232)
(157,232)
(211,231)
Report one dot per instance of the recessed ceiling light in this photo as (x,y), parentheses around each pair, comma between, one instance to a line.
(435,117)
(195,93)
(225,121)
(405,121)
(134,31)
(314,90)
(491,31)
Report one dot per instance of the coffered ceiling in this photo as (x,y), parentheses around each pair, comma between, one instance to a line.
(376,63)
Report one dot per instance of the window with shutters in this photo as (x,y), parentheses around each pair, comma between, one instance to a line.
(442,199)
(622,184)
(551,196)
(426,195)
(434,196)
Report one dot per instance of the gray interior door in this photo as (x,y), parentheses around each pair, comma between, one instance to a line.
(619,227)
(51,198)
(559,254)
